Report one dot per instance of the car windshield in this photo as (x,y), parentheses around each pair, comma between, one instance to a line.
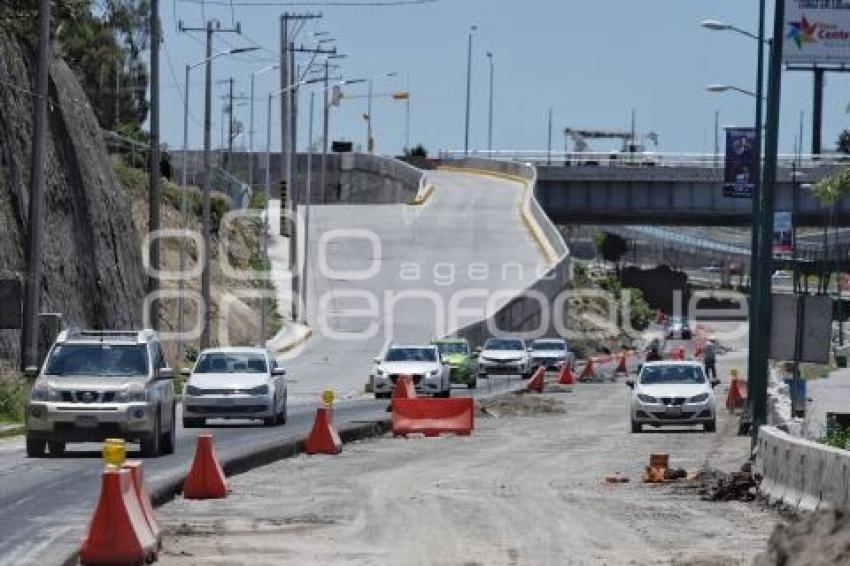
(548,346)
(98,359)
(680,375)
(448,348)
(229,362)
(504,345)
(411,355)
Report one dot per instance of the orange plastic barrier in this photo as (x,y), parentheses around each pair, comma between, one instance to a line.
(324,439)
(404,388)
(621,367)
(137,475)
(566,376)
(537,381)
(433,417)
(118,533)
(206,478)
(588,372)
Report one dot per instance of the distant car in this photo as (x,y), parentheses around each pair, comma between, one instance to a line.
(672,393)
(781,277)
(422,363)
(457,353)
(677,327)
(234,383)
(503,356)
(551,353)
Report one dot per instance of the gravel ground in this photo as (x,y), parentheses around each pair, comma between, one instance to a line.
(521,490)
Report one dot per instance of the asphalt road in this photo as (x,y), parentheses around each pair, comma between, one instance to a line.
(521,490)
(46,503)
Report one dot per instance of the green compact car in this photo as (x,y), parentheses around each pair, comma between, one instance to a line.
(457,354)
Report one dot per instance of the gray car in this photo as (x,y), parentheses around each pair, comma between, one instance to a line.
(96,385)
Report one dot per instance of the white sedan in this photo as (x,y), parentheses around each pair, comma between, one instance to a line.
(503,356)
(673,393)
(422,363)
(234,383)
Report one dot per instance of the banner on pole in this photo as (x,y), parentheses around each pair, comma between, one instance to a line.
(817,32)
(783,227)
(741,163)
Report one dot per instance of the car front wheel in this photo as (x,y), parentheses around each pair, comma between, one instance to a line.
(710,426)
(637,427)
(150,444)
(56,447)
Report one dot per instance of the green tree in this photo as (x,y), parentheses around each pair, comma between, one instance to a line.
(612,247)
(844,141)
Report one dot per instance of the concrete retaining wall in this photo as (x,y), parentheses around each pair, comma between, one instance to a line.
(801,473)
(350,178)
(532,309)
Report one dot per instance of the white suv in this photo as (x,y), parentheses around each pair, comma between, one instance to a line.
(422,363)
(96,385)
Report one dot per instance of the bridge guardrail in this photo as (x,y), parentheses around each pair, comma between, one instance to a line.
(523,312)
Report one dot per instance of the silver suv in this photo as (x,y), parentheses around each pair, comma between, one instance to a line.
(96,385)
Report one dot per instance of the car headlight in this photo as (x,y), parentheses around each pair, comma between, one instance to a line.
(193,391)
(646,398)
(43,392)
(701,398)
(260,390)
(434,373)
(132,395)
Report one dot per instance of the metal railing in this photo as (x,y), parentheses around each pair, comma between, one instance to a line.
(636,159)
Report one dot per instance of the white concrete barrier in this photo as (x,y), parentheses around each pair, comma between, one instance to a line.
(801,473)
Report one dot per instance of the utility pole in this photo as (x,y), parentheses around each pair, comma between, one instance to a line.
(468,89)
(207,256)
(370,143)
(154,196)
(229,155)
(817,111)
(325,130)
(490,113)
(758,379)
(251,125)
(549,143)
(32,289)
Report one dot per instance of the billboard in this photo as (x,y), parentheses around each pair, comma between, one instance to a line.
(817,32)
(783,233)
(741,163)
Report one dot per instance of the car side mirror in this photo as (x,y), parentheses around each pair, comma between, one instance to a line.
(166,373)
(639,367)
(278,371)
(186,372)
(31,372)
(630,383)
(376,360)
(715,383)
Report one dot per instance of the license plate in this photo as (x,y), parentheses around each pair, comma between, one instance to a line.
(674,410)
(86,421)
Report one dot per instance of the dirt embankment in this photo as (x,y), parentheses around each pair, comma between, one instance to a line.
(812,539)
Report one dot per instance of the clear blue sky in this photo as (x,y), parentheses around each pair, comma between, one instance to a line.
(592,61)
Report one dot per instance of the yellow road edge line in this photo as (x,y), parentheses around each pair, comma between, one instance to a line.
(423,198)
(296,342)
(525,214)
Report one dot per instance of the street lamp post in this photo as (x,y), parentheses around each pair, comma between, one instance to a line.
(184,198)
(490,113)
(370,142)
(254,75)
(472,30)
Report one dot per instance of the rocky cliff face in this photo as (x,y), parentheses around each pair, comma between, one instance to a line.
(92,263)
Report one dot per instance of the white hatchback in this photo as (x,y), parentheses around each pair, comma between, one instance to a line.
(234,383)
(673,393)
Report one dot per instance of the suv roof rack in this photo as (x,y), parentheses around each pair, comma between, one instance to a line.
(138,336)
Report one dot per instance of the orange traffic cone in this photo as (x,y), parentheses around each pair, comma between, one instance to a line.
(588,371)
(118,532)
(404,388)
(566,376)
(537,381)
(621,367)
(735,398)
(136,473)
(323,438)
(206,478)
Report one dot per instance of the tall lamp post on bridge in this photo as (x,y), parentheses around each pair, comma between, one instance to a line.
(490,112)
(254,76)
(759,280)
(370,141)
(472,30)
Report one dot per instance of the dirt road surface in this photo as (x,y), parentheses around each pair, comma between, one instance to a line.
(521,490)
